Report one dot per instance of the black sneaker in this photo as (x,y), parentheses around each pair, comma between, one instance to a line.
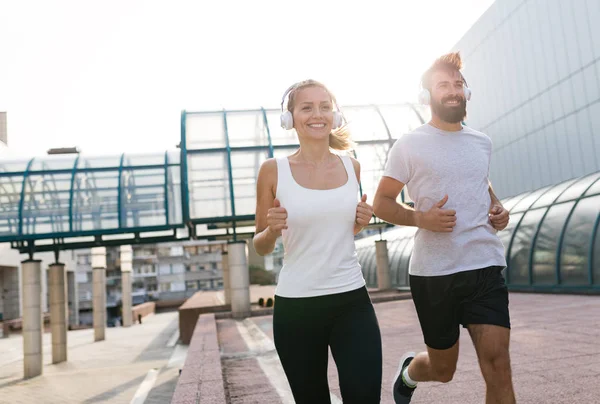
(402,393)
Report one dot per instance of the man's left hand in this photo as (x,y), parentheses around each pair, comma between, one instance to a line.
(499,217)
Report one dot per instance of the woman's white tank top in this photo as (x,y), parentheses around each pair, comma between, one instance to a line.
(320,256)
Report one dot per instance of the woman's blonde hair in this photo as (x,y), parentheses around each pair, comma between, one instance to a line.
(339,139)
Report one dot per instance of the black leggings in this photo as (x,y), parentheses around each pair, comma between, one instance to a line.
(304,328)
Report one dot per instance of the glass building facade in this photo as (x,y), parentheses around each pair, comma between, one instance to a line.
(534,67)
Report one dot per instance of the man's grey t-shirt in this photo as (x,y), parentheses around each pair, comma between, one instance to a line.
(433,163)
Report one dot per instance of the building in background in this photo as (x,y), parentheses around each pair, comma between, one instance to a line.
(534,68)
(168,273)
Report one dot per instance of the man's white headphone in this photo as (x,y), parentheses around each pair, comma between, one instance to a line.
(287,119)
(425,95)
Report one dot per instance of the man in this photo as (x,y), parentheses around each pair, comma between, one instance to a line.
(456,264)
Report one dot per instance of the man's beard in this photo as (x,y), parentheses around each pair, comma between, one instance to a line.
(450,114)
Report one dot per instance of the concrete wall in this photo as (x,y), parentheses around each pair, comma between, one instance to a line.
(534,68)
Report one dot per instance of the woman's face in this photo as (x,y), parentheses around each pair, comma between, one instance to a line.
(313,113)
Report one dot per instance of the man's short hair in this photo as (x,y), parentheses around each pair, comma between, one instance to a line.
(450,62)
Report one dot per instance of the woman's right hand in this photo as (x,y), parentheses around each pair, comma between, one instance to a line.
(276,218)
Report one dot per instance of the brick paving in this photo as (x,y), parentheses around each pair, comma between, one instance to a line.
(555,352)
(555,348)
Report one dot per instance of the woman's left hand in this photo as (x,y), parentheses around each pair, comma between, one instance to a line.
(364,212)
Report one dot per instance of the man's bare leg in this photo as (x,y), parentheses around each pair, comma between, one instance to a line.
(492,345)
(434,365)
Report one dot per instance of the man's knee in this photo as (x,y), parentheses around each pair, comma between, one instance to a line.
(444,373)
(496,364)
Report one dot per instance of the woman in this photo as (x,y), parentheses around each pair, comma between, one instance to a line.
(311,199)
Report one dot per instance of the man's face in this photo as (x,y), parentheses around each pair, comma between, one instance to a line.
(448,96)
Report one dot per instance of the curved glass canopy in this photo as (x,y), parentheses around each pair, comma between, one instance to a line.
(63,199)
(551,242)
(223,151)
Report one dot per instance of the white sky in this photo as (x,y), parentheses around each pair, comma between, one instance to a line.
(112,76)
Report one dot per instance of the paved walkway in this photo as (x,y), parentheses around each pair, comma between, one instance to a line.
(109,371)
(555,350)
(555,353)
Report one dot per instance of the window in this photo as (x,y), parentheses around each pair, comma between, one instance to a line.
(191,285)
(518,262)
(176,251)
(84,259)
(576,242)
(164,269)
(546,244)
(177,268)
(177,286)
(142,252)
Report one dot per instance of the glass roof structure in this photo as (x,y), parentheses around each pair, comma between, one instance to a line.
(551,242)
(55,202)
(206,189)
(224,150)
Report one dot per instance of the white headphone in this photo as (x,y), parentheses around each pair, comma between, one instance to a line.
(425,95)
(287,119)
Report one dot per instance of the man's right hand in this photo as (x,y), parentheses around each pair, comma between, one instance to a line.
(437,219)
(276,218)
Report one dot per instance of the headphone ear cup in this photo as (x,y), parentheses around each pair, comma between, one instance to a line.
(467,93)
(337,119)
(424,97)
(287,120)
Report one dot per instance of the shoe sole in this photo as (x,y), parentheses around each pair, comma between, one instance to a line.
(399,371)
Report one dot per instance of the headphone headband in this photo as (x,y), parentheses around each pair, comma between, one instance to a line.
(289,90)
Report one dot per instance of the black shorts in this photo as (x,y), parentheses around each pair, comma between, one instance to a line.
(443,303)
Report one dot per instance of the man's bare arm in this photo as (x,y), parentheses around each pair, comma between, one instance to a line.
(386,207)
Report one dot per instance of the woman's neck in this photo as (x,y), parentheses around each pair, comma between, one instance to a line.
(313,153)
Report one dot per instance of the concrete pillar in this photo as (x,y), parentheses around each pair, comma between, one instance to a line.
(32,318)
(57,279)
(73,298)
(239,276)
(383,265)
(99,291)
(226,277)
(126,267)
